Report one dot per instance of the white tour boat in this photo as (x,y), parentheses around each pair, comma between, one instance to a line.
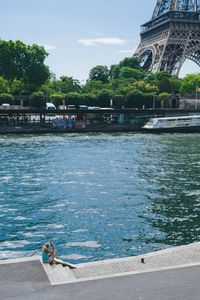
(190,123)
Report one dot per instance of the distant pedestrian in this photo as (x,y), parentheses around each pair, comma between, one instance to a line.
(48,253)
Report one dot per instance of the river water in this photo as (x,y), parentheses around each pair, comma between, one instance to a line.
(98,196)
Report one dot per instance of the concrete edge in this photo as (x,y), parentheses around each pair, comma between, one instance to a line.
(69,279)
(123,274)
(19,260)
(162,251)
(139,256)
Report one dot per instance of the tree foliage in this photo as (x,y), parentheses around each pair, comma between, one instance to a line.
(6,98)
(100,73)
(37,99)
(63,85)
(130,62)
(94,86)
(4,88)
(127,72)
(23,62)
(23,72)
(57,98)
(163,100)
(190,84)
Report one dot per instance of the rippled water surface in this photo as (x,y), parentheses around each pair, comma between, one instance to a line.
(98,196)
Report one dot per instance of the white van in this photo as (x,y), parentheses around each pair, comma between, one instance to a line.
(50,106)
(6,105)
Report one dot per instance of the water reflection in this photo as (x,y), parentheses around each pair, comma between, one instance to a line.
(175,179)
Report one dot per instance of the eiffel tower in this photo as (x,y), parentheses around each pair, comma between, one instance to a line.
(171,36)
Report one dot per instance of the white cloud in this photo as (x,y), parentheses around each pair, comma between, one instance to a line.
(103,41)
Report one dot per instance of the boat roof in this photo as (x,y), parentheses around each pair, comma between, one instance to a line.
(177,117)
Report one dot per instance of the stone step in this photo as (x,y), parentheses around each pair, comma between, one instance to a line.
(177,257)
(58,274)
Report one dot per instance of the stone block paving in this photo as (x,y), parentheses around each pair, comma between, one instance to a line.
(176,257)
(168,258)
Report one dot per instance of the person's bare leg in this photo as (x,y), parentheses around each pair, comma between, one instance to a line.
(52,258)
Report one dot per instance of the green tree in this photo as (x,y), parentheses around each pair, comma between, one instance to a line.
(164,100)
(57,98)
(164,85)
(63,85)
(17,87)
(114,71)
(73,98)
(93,86)
(121,86)
(119,101)
(100,73)
(190,83)
(145,87)
(35,76)
(37,99)
(23,62)
(130,62)
(6,98)
(4,88)
(104,97)
(142,86)
(151,78)
(169,84)
(88,99)
(69,84)
(127,72)
(162,74)
(134,99)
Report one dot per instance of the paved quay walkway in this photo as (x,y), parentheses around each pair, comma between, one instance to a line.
(167,274)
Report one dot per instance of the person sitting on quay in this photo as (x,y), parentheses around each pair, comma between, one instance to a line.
(48,255)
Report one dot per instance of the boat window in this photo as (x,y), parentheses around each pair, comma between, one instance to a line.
(151,121)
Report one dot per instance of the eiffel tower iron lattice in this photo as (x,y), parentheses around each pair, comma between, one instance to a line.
(171,36)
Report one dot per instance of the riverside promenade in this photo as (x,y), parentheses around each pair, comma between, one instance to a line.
(40,121)
(167,274)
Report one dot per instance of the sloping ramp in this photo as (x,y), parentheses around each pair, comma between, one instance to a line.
(171,258)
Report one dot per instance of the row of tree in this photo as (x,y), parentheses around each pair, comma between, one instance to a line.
(23,72)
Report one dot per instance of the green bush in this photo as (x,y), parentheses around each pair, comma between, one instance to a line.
(88,99)
(4,87)
(6,98)
(127,72)
(104,97)
(163,100)
(57,98)
(119,101)
(134,99)
(73,98)
(138,99)
(37,99)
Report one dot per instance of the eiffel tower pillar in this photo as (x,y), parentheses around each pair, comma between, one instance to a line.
(171,36)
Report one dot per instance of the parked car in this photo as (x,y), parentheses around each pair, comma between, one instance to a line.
(83,107)
(50,106)
(70,106)
(94,107)
(106,108)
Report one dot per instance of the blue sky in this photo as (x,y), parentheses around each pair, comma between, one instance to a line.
(78,34)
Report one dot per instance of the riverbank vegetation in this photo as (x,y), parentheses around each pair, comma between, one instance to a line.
(23,73)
